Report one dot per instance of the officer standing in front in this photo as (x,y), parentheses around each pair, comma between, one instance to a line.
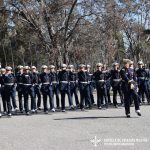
(20,86)
(28,89)
(84,87)
(63,76)
(128,86)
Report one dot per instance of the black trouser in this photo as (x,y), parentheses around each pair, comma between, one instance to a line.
(3,95)
(63,93)
(143,89)
(74,90)
(8,92)
(20,95)
(84,95)
(55,89)
(28,90)
(127,94)
(38,94)
(101,93)
(115,90)
(108,95)
(135,97)
(91,88)
(13,96)
(47,92)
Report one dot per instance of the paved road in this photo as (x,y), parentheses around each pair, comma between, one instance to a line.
(73,130)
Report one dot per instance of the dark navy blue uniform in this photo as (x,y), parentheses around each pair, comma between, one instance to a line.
(55,86)
(147,82)
(116,86)
(19,89)
(100,80)
(142,83)
(3,92)
(64,88)
(133,77)
(46,90)
(108,85)
(28,89)
(127,81)
(73,85)
(91,86)
(36,82)
(9,90)
(84,89)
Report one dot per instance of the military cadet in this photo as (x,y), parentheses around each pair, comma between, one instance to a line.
(9,85)
(100,80)
(73,83)
(147,80)
(13,90)
(46,89)
(28,89)
(108,84)
(128,86)
(84,87)
(91,83)
(3,96)
(63,76)
(19,87)
(116,84)
(0,110)
(141,80)
(36,82)
(148,69)
(55,84)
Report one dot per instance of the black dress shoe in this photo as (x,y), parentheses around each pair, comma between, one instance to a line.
(21,111)
(27,113)
(128,115)
(138,112)
(116,106)
(9,114)
(82,109)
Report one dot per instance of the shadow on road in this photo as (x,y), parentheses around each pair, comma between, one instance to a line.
(78,118)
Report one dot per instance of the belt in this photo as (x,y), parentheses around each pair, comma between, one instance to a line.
(63,81)
(116,80)
(101,80)
(141,78)
(9,84)
(84,82)
(54,82)
(27,84)
(72,81)
(20,83)
(46,83)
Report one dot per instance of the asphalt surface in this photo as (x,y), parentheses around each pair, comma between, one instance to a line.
(77,130)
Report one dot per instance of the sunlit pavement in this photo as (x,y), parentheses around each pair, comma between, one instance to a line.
(77,130)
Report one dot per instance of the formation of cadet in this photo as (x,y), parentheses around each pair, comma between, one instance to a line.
(132,85)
